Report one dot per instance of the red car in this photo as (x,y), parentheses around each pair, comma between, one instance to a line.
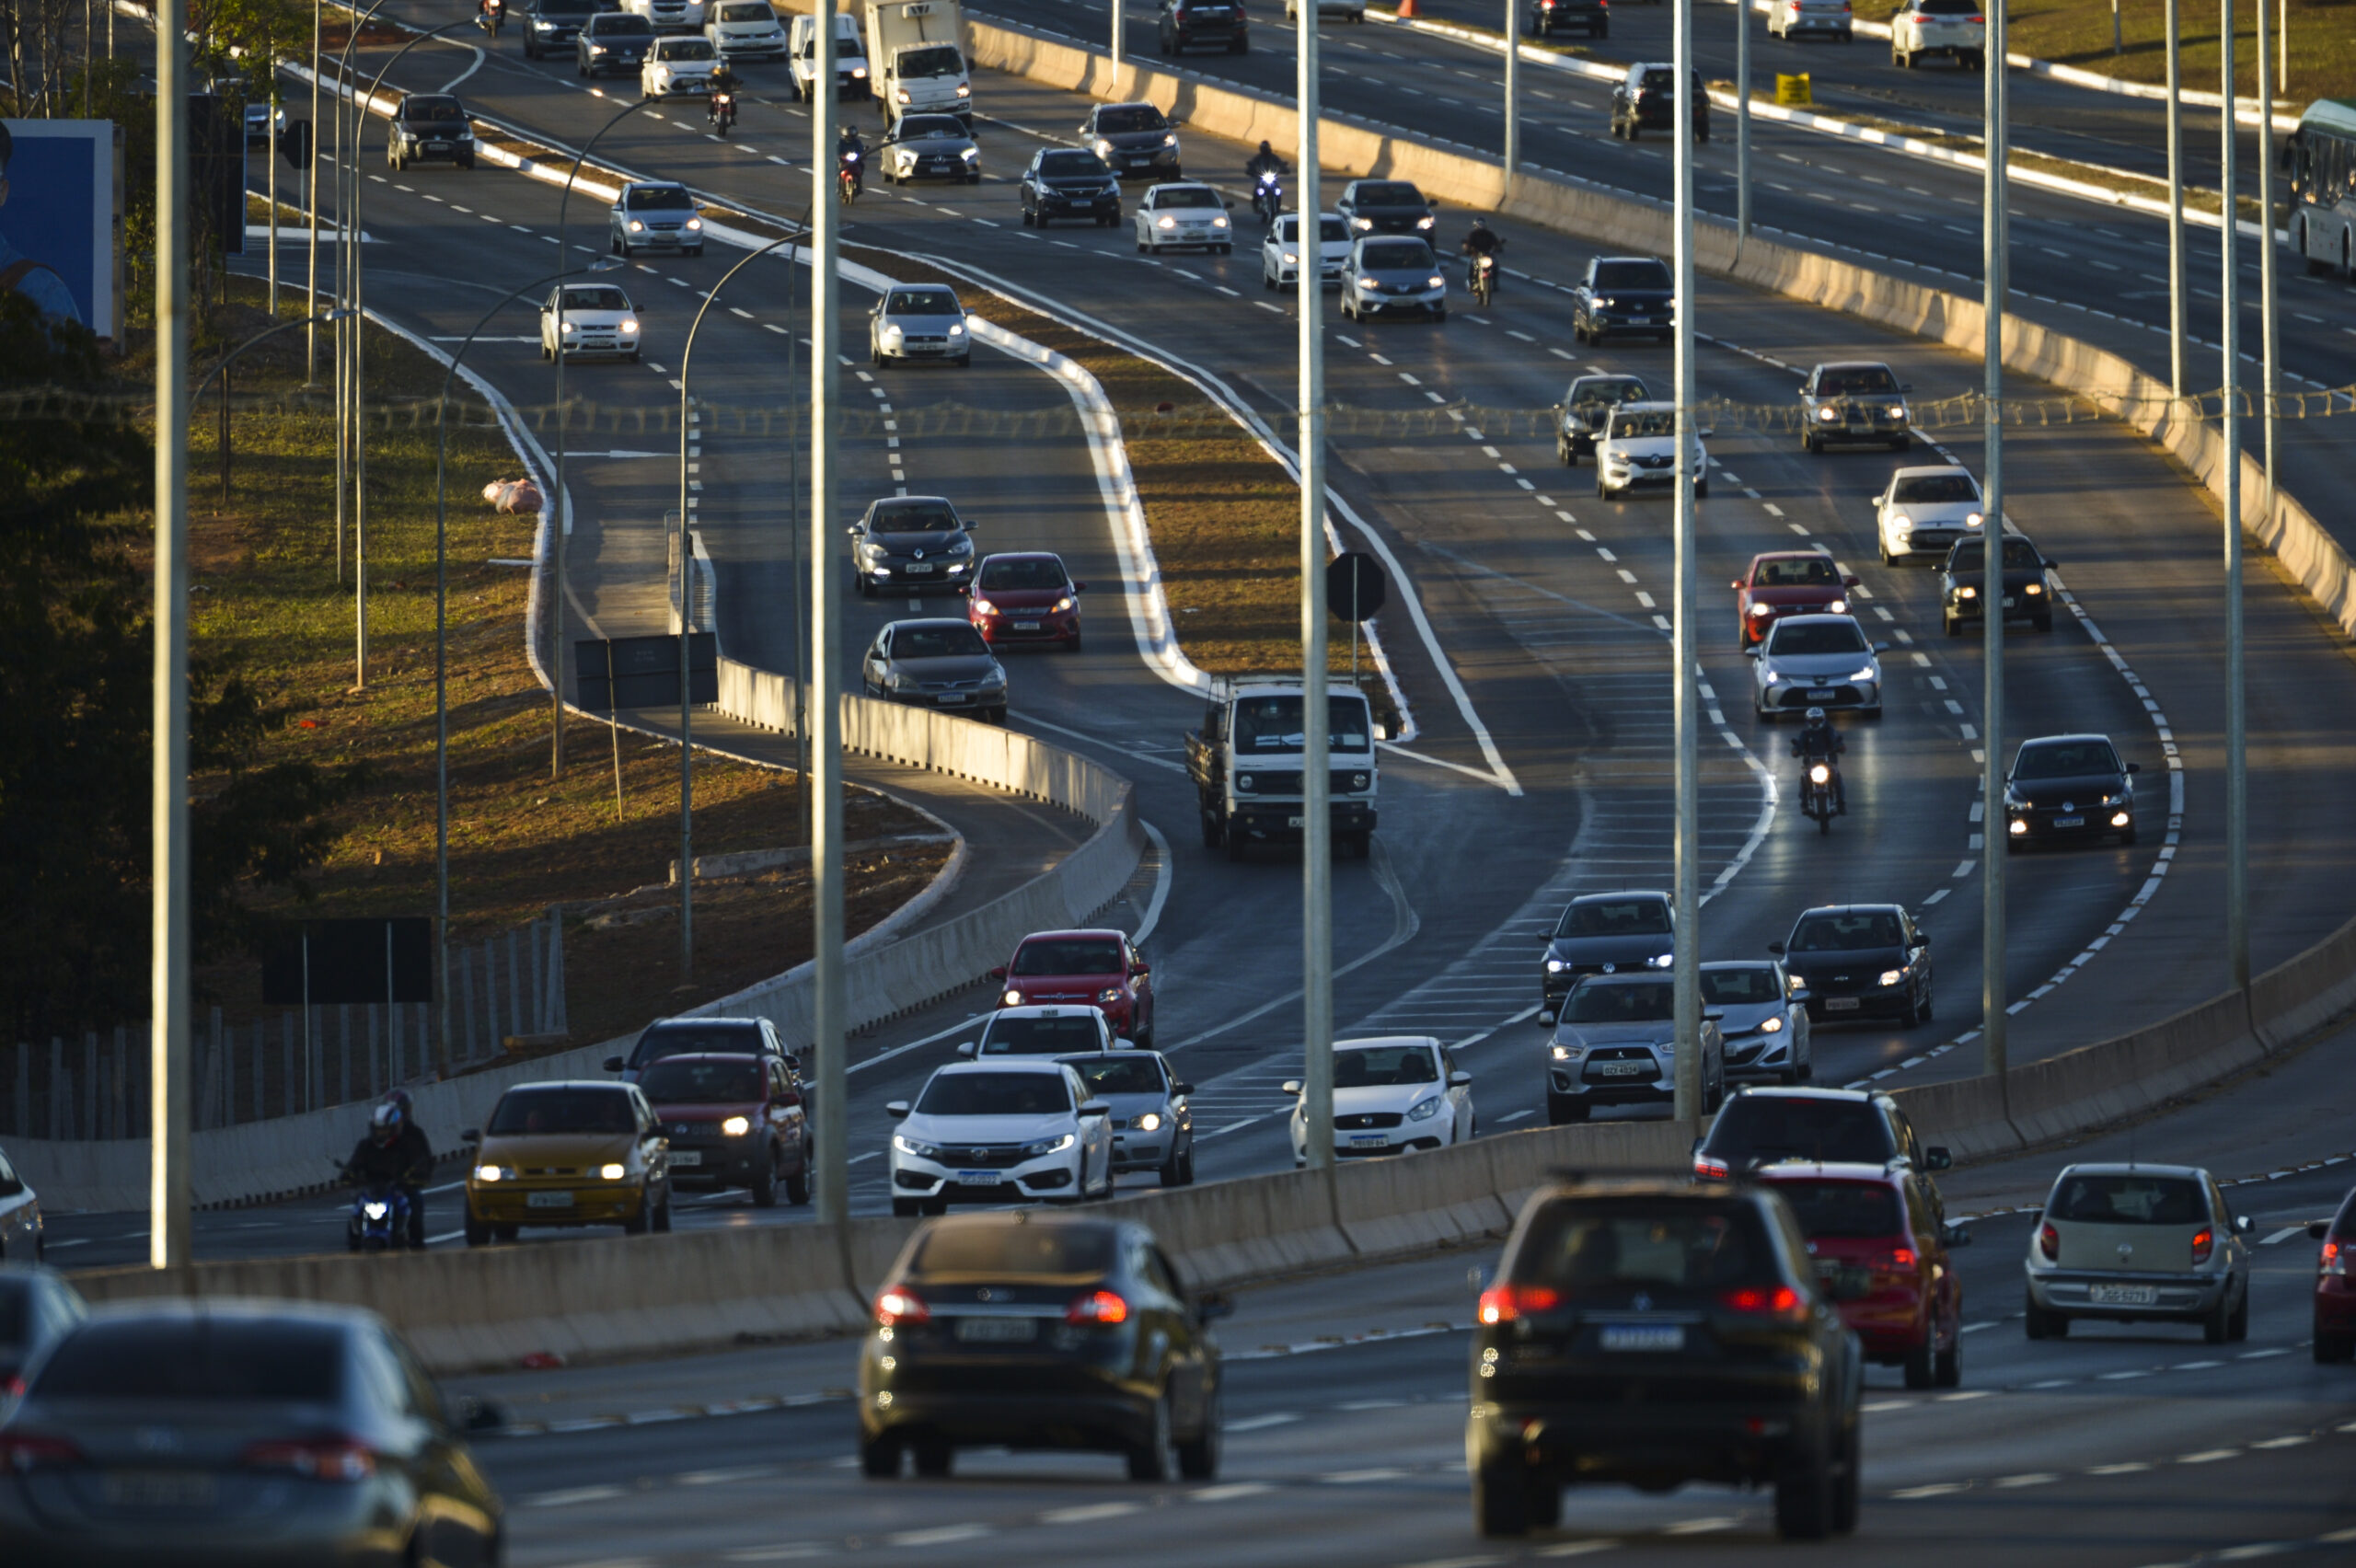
(1882,1254)
(1787,582)
(2335,1285)
(1025,598)
(1098,968)
(732,1121)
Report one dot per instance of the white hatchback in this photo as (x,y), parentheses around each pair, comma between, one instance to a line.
(745,30)
(1005,1130)
(588,321)
(676,68)
(1925,509)
(1957,28)
(1392,1094)
(1639,448)
(1280,252)
(1184,214)
(1789,19)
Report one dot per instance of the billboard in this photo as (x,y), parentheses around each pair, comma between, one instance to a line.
(57,218)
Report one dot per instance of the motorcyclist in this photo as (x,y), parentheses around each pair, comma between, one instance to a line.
(723,85)
(1820,741)
(395,1151)
(1479,240)
(1264,161)
(488,14)
(850,154)
(1263,167)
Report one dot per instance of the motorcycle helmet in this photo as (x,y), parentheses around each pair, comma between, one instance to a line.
(1265,148)
(385,1123)
(1815,716)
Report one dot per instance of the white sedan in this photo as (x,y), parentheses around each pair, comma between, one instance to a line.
(999,1131)
(1392,1094)
(1923,511)
(1184,214)
(1280,252)
(678,66)
(588,320)
(1639,447)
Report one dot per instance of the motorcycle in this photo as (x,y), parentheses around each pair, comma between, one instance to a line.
(1819,796)
(489,17)
(847,177)
(379,1221)
(1267,196)
(720,112)
(1484,279)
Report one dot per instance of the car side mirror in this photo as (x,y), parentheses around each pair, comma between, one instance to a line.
(1706,432)
(854,530)
(1713,1013)
(999,972)
(1775,947)
(1459,1080)
(476,1414)
(2320,1230)
(1936,1158)
(1881,647)
(1080,588)
(1213,1304)
(614,1064)
(1545,1019)
(2036,1215)
(1228,205)
(1922,939)
(1181,1086)
(2243,1222)
(1139,970)
(2134,767)
(786,1100)
(895,1109)
(1095,1109)
(966,1048)
(1906,386)
(1849,580)
(1956,1235)
(1291,1086)
(1750,652)
(1736,585)
(472,1134)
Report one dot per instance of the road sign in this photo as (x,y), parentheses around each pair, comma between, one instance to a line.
(1355,587)
(643,671)
(1792,91)
(322,962)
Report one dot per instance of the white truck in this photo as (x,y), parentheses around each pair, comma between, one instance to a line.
(850,57)
(1246,764)
(915,52)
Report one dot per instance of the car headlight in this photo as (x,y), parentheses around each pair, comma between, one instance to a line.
(598,49)
(1013,999)
(1108,996)
(1055,1145)
(1902,523)
(1358,781)
(1772,1026)
(1436,281)
(1290,258)
(1665,1047)
(1219,223)
(1569,1052)
(1149,1123)
(1761,612)
(1555,966)
(1867,673)
(695,226)
(571,328)
(629,327)
(957,331)
(1830,416)
(466,136)
(612,1172)
(917,1147)
(493,1173)
(1425,222)
(1064,603)
(2034,588)
(1171,140)
(1362,223)
(1973,520)
(736,1126)
(1660,961)
(1425,1110)
(636,226)
(1166,223)
(1771,676)
(1103,148)
(859,72)
(1892,977)
(893,331)
(2120,819)
(901,95)
(1967,591)
(1368,284)
(2019,827)
(964,90)
(1898,411)
(973,154)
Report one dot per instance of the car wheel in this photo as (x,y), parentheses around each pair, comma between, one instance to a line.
(2330,1349)
(1713,1095)
(1154,1459)
(797,1186)
(1029,220)
(1919,1369)
(1501,1502)
(2037,1323)
(2217,1327)
(1198,1456)
(1140,248)
(935,1459)
(878,1457)
(765,1183)
(903,1208)
(1847,1483)
(2237,1327)
(505,1232)
(1887,559)
(1238,844)
(1803,1491)
(1946,1365)
(1701,489)
(1545,1496)
(1171,1170)
(1594,336)
(663,1215)
(1561,1111)
(479,1234)
(696,253)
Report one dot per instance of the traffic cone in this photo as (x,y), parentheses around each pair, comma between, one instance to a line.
(1408,10)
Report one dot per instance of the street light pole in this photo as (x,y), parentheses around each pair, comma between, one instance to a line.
(1511,160)
(825,616)
(1119,45)
(1742,119)
(1995,842)
(1316,778)
(311,281)
(2176,206)
(2230,338)
(2267,318)
(1685,962)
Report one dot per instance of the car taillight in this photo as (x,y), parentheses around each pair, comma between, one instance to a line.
(2334,1259)
(314,1458)
(1762,1302)
(2048,1243)
(1899,1258)
(896,1306)
(22,1451)
(1504,1303)
(1711,1169)
(1097,1306)
(2203,1243)
(12,1387)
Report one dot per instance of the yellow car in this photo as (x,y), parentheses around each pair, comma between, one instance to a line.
(568,1154)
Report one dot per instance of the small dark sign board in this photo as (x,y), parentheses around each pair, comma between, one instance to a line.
(330,961)
(643,671)
(1355,587)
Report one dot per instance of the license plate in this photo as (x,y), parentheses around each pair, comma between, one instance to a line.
(923,570)
(158,1489)
(997,1331)
(1640,322)
(980,1178)
(434,147)
(948,696)
(1655,1337)
(2122,1295)
(2070,822)
(1026,625)
(1840,1004)
(1292,822)
(1368,1140)
(683,1159)
(549,1200)
(1820,693)
(2008,601)
(1618,1070)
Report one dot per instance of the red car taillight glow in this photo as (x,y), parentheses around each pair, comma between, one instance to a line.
(1713,1170)
(897,1305)
(1760,1301)
(1504,1303)
(2334,1259)
(314,1458)
(2204,1242)
(2048,1243)
(1100,1307)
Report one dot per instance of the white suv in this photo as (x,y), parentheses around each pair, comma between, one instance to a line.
(1789,19)
(1008,1128)
(1957,28)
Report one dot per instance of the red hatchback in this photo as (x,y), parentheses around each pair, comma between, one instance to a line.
(1098,968)
(1882,1254)
(1025,598)
(1787,582)
(733,1122)
(2335,1285)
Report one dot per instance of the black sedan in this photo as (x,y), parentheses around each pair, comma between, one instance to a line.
(1036,1330)
(1621,294)
(1196,24)
(943,664)
(1132,138)
(929,146)
(1587,406)
(912,542)
(2065,786)
(1385,207)
(430,126)
(1065,183)
(1606,933)
(38,1307)
(1963,584)
(1645,100)
(1861,960)
(248,1433)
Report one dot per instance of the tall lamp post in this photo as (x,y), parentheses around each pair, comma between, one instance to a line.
(826,990)
(1685,970)
(1995,841)
(2229,288)
(1316,784)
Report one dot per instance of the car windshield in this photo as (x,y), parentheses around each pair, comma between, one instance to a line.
(721,1038)
(914,517)
(1792,639)
(750,11)
(212,1360)
(1616,918)
(1138,1074)
(2064,759)
(2127,1200)
(919,127)
(661,199)
(432,110)
(1769,1127)
(1035,1036)
(1607,1251)
(937,61)
(1389,194)
(1125,118)
(683,49)
(1856,380)
(1846,1210)
(1396,255)
(1847,932)
(1601,394)
(1747,986)
(1651,421)
(686,1081)
(921,302)
(529,1112)
(1660,80)
(1973,556)
(1068,955)
(1936,488)
(1038,572)
(1613,1001)
(1273,723)
(937,642)
(1796,572)
(627,24)
(997,1250)
(1329,231)
(1187,196)
(1632,275)
(995,1094)
(1068,166)
(596,299)
(1370,1067)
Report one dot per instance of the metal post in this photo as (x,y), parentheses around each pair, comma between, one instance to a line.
(168,1180)
(270,157)
(1742,119)
(825,705)
(1316,778)
(1511,160)
(2230,336)
(2269,320)
(342,344)
(2282,63)
(2175,205)
(311,278)
(1120,43)
(1995,825)
(1685,976)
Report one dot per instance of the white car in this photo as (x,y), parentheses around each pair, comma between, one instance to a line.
(1280,252)
(850,57)
(1816,661)
(588,321)
(1349,10)
(745,30)
(1043,1031)
(1924,510)
(1181,213)
(1789,19)
(20,1228)
(1392,1094)
(676,68)
(1761,1011)
(1009,1128)
(1639,447)
(1957,28)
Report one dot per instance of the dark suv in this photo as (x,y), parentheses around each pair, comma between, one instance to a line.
(1861,959)
(683,1036)
(1621,294)
(1548,18)
(1652,1332)
(1963,584)
(550,24)
(2335,1316)
(1384,206)
(1829,1126)
(612,40)
(1645,100)
(429,125)
(1194,24)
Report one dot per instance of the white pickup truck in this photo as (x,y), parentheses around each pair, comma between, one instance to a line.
(916,59)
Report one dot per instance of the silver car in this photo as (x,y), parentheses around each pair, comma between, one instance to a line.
(2138,1243)
(1816,661)
(1154,1128)
(918,321)
(654,215)
(21,1223)
(1174,214)
(1615,1043)
(588,321)
(1393,274)
(941,664)
(1762,1018)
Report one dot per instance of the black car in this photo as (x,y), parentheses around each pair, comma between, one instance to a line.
(2068,787)
(1196,24)
(1861,960)
(1620,295)
(697,1036)
(1645,100)
(612,40)
(1548,18)
(1039,1330)
(912,543)
(36,1310)
(732,1121)
(941,664)
(1963,584)
(1132,138)
(550,25)
(264,1434)
(1385,207)
(1065,182)
(430,126)
(1606,933)
(929,146)
(1823,1127)
(1651,1333)
(1586,404)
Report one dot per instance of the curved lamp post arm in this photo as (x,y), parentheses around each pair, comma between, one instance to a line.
(234,354)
